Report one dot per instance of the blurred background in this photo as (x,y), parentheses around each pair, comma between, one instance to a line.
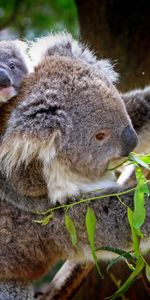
(28,18)
(118,29)
(115,29)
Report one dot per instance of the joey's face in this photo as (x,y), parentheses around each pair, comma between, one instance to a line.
(12,70)
(72,120)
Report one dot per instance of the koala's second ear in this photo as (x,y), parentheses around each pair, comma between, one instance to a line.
(105,68)
(34,131)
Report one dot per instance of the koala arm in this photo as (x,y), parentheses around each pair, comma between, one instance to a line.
(137,103)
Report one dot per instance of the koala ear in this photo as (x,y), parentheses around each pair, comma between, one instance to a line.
(105,68)
(23,49)
(63,44)
(33,132)
(51,44)
(147,94)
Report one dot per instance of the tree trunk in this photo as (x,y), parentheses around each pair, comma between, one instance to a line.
(119,29)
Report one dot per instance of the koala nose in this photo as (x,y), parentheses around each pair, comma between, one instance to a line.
(4,79)
(129,140)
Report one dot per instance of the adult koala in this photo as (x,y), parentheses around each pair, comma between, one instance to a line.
(57,138)
(70,119)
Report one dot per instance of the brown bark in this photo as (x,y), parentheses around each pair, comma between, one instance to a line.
(119,29)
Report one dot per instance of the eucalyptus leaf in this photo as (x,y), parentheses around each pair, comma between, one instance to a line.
(139,267)
(45,220)
(71,230)
(148,272)
(135,159)
(91,228)
(139,213)
(117,251)
(133,232)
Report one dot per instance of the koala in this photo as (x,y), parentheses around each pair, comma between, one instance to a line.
(72,120)
(57,137)
(14,65)
(136,101)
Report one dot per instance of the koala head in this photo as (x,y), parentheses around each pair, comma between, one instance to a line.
(14,65)
(71,118)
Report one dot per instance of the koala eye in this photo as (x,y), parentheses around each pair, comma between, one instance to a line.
(102,135)
(12,66)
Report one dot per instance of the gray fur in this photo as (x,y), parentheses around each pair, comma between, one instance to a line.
(14,291)
(138,106)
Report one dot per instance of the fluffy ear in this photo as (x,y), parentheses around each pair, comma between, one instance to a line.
(33,132)
(63,44)
(23,48)
(147,94)
(105,68)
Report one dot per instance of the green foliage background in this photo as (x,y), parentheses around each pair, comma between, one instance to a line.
(29,18)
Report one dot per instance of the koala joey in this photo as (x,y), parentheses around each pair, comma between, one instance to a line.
(14,65)
(57,138)
(70,119)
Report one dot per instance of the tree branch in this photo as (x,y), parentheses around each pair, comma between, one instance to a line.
(67,281)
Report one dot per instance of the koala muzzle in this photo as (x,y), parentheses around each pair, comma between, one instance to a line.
(129,140)
(4,79)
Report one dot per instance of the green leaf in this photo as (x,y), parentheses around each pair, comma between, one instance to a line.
(117,251)
(121,255)
(118,258)
(141,181)
(135,159)
(71,230)
(133,231)
(145,158)
(91,227)
(139,266)
(139,213)
(45,220)
(148,272)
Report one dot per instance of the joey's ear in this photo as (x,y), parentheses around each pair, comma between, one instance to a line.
(23,49)
(33,132)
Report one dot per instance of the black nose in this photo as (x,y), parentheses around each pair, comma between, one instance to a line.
(129,140)
(4,79)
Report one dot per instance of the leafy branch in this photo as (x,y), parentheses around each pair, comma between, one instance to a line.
(136,218)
